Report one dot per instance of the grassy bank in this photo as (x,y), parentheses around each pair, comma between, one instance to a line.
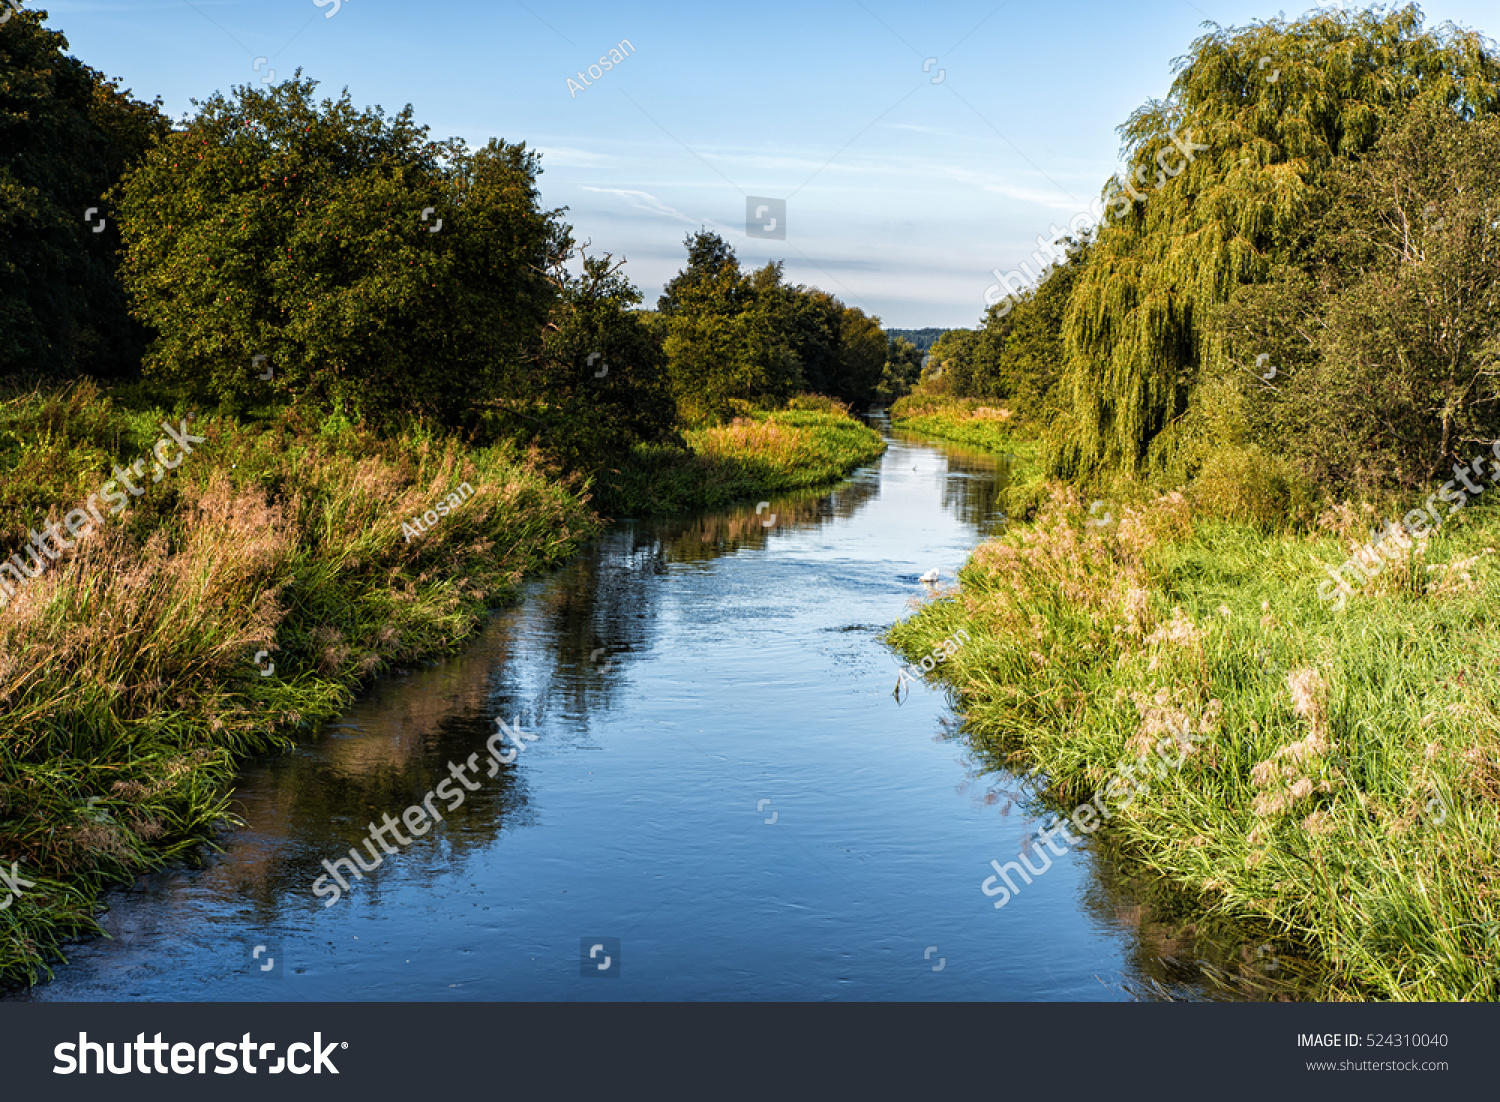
(969,421)
(131,672)
(758,454)
(1341,780)
(128,678)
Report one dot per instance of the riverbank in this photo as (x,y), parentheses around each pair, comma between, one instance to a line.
(969,421)
(224,598)
(234,603)
(1340,778)
(764,452)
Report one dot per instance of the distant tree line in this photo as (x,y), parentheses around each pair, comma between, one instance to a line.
(736,338)
(920,339)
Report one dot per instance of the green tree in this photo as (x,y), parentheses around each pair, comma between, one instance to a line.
(840,350)
(1021,358)
(66,135)
(1384,347)
(815,322)
(601,385)
(1185,232)
(708,255)
(902,370)
(769,356)
(745,339)
(704,346)
(861,357)
(274,226)
(950,362)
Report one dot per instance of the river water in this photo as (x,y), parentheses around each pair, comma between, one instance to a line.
(723,798)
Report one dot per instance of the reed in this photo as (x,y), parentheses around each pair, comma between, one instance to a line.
(127,676)
(1348,794)
(765,452)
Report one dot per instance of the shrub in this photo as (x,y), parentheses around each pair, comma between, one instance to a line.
(274,226)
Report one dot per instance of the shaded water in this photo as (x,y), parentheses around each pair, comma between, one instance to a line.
(723,795)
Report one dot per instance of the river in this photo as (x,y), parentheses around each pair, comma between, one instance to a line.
(723,799)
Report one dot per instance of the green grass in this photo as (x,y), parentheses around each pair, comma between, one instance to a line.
(767,452)
(129,691)
(979,423)
(1348,793)
(128,686)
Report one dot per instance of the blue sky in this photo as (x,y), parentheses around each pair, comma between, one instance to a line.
(906,180)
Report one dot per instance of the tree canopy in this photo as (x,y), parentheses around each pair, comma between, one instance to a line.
(1138,332)
(376,271)
(601,385)
(737,337)
(66,135)
(1385,344)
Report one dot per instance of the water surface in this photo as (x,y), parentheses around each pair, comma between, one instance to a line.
(723,793)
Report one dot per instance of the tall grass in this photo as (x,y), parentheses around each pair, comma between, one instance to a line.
(764,452)
(977,422)
(127,676)
(1348,793)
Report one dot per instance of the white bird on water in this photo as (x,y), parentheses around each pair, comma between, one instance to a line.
(929,578)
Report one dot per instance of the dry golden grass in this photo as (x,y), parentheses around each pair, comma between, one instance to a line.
(127,679)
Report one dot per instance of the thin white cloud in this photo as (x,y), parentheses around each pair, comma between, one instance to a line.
(641,200)
(924,129)
(644,200)
(1049,197)
(874,171)
(563,156)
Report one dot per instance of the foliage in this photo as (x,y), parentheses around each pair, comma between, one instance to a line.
(861,356)
(950,358)
(1138,330)
(902,370)
(708,256)
(274,226)
(1022,355)
(753,338)
(1386,343)
(66,135)
(601,385)
(1346,786)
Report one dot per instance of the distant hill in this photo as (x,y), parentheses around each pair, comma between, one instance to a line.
(922,338)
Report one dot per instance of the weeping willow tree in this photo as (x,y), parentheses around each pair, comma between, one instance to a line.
(1226,175)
